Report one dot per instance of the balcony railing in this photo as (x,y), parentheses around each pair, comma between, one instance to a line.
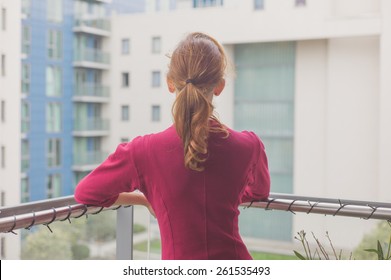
(89,158)
(61,209)
(91,127)
(100,24)
(91,58)
(90,92)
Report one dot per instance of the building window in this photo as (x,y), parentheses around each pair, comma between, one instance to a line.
(54,10)
(125,113)
(124,140)
(53,117)
(300,3)
(53,81)
(26,40)
(125,46)
(125,81)
(2,111)
(2,157)
(54,44)
(3,65)
(156,44)
(207,3)
(25,156)
(25,78)
(3,19)
(259,4)
(25,189)
(155,113)
(25,117)
(53,152)
(3,248)
(2,199)
(53,188)
(26,7)
(156,78)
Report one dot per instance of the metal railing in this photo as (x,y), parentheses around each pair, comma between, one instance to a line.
(46,212)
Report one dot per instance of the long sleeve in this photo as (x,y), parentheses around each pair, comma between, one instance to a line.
(258,180)
(115,175)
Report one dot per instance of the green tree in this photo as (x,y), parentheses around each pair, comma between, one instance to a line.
(380,236)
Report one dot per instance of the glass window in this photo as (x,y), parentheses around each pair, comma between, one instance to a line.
(2,199)
(25,117)
(156,44)
(25,189)
(53,188)
(2,157)
(54,46)
(156,78)
(53,81)
(3,65)
(26,40)
(3,19)
(124,112)
(53,152)
(207,3)
(299,3)
(25,78)
(25,156)
(259,4)
(125,79)
(155,113)
(26,7)
(124,140)
(125,46)
(53,117)
(54,10)
(2,111)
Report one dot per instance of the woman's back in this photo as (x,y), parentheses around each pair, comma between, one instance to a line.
(198,211)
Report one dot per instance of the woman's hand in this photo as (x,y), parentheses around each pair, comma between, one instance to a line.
(134,198)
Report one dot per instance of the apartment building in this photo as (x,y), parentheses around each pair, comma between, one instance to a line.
(9,117)
(65,91)
(310,78)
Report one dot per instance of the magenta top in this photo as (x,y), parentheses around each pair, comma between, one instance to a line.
(197,211)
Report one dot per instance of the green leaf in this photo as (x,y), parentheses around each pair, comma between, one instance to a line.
(371,250)
(379,251)
(300,256)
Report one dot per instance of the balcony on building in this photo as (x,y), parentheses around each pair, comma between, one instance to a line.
(91,127)
(87,161)
(91,92)
(91,58)
(95,26)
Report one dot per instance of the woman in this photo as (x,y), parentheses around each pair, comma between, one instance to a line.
(193,175)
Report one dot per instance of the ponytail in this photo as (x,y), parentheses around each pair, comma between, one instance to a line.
(197,66)
(191,111)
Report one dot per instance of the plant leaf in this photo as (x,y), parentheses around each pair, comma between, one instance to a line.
(300,256)
(379,251)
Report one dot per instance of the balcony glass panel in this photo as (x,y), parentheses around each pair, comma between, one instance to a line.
(101,24)
(91,89)
(92,55)
(92,124)
(89,158)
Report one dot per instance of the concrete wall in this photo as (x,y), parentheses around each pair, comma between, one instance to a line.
(10,127)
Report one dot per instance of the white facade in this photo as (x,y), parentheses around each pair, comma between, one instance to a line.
(10,117)
(342,100)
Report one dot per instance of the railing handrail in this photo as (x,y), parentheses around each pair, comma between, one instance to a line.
(47,211)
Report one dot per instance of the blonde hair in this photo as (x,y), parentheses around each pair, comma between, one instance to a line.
(197,66)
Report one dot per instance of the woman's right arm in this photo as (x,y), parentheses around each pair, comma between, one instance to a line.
(117,174)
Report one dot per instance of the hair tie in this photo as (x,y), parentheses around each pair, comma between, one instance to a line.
(190,81)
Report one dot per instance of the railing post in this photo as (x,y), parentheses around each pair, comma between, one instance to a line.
(125,233)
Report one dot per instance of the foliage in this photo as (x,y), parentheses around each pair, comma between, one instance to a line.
(80,251)
(376,245)
(319,252)
(270,256)
(102,227)
(44,245)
